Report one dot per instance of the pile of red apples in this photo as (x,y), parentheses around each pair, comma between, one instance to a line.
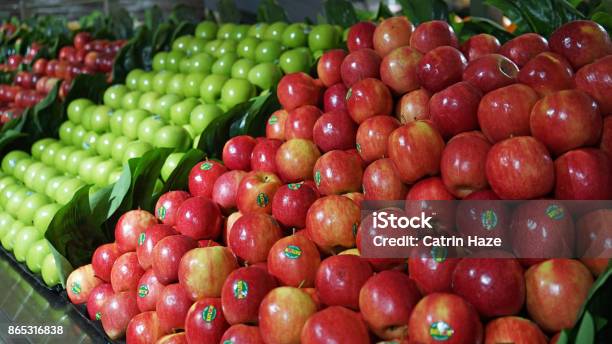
(264,246)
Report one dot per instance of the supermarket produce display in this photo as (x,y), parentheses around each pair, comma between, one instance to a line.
(217,189)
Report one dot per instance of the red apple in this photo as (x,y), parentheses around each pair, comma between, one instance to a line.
(432,34)
(297,89)
(225,189)
(381,182)
(335,324)
(205,322)
(575,117)
(203,175)
(144,328)
(337,172)
(294,261)
(444,317)
(96,300)
(513,330)
(332,222)
(455,109)
(361,36)
(547,73)
(236,156)
(253,235)
(149,289)
(301,121)
(295,160)
(398,69)
(372,136)
(480,45)
(581,42)
(415,148)
(242,334)
(592,234)
(256,191)
(177,338)
(463,163)
(368,98)
(593,79)
(520,168)
(117,312)
(283,313)
(419,200)
(148,240)
(40,66)
(328,67)
(275,126)
(243,291)
(392,33)
(264,155)
(130,226)
(334,130)
(334,97)
(524,47)
(172,307)
(398,293)
(494,286)
(505,112)
(583,174)
(126,273)
(440,68)
(339,280)
(479,217)
(413,106)
(202,271)
(103,259)
(199,218)
(358,65)
(431,272)
(490,72)
(81,39)
(167,255)
(168,204)
(80,284)
(289,204)
(556,291)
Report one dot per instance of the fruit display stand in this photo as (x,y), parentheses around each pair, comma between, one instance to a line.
(218,193)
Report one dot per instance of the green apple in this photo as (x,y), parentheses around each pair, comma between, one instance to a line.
(295,35)
(206,30)
(48,156)
(201,63)
(147,101)
(145,82)
(161,80)
(240,32)
(296,60)
(164,104)
(6,221)
(9,236)
(275,31)
(134,150)
(8,192)
(87,168)
(21,167)
(172,136)
(78,135)
(114,94)
(223,65)
(131,80)
(116,122)
(176,84)
(241,68)
(86,117)
(77,107)
(119,147)
(173,60)
(236,91)
(11,159)
(65,132)
(191,84)
(258,30)
(225,30)
(170,164)
(30,206)
(130,100)
(54,184)
(202,115)
(114,176)
(226,47)
(104,145)
(210,90)
(36,255)
(179,112)
(246,47)
(182,43)
(268,51)
(45,174)
(76,158)
(159,61)
(67,190)
(102,171)
(17,199)
(196,46)
(100,119)
(49,271)
(30,175)
(323,37)
(148,127)
(212,46)
(38,147)
(6,181)
(44,216)
(26,237)
(89,141)
(185,65)
(131,121)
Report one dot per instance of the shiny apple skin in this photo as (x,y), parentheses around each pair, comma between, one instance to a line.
(294,261)
(359,65)
(203,270)
(432,34)
(256,191)
(236,156)
(242,334)
(263,157)
(130,226)
(595,80)
(225,189)
(172,307)
(298,89)
(392,33)
(556,291)
(168,204)
(334,130)
(505,112)
(415,149)
(337,172)
(96,300)
(332,221)
(334,97)
(203,175)
(547,73)
(381,181)
(455,109)
(103,259)
(328,67)
(243,291)
(295,160)
(463,163)
(584,174)
(431,275)
(480,45)
(592,234)
(581,42)
(491,72)
(148,240)
(301,121)
(440,68)
(413,106)
(149,289)
(524,47)
(606,136)
(167,255)
(372,136)
(340,278)
(126,273)
(476,217)
(199,218)
(205,321)
(398,70)
(335,324)
(575,117)
(253,235)
(368,98)
(513,329)
(289,203)
(361,36)
(144,328)
(520,168)
(117,312)
(275,125)
(283,313)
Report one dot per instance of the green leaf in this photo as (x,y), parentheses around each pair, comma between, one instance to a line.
(182,12)
(178,178)
(422,11)
(383,11)
(586,329)
(228,12)
(340,12)
(121,24)
(475,25)
(604,19)
(270,11)
(153,17)
(254,120)
(217,132)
